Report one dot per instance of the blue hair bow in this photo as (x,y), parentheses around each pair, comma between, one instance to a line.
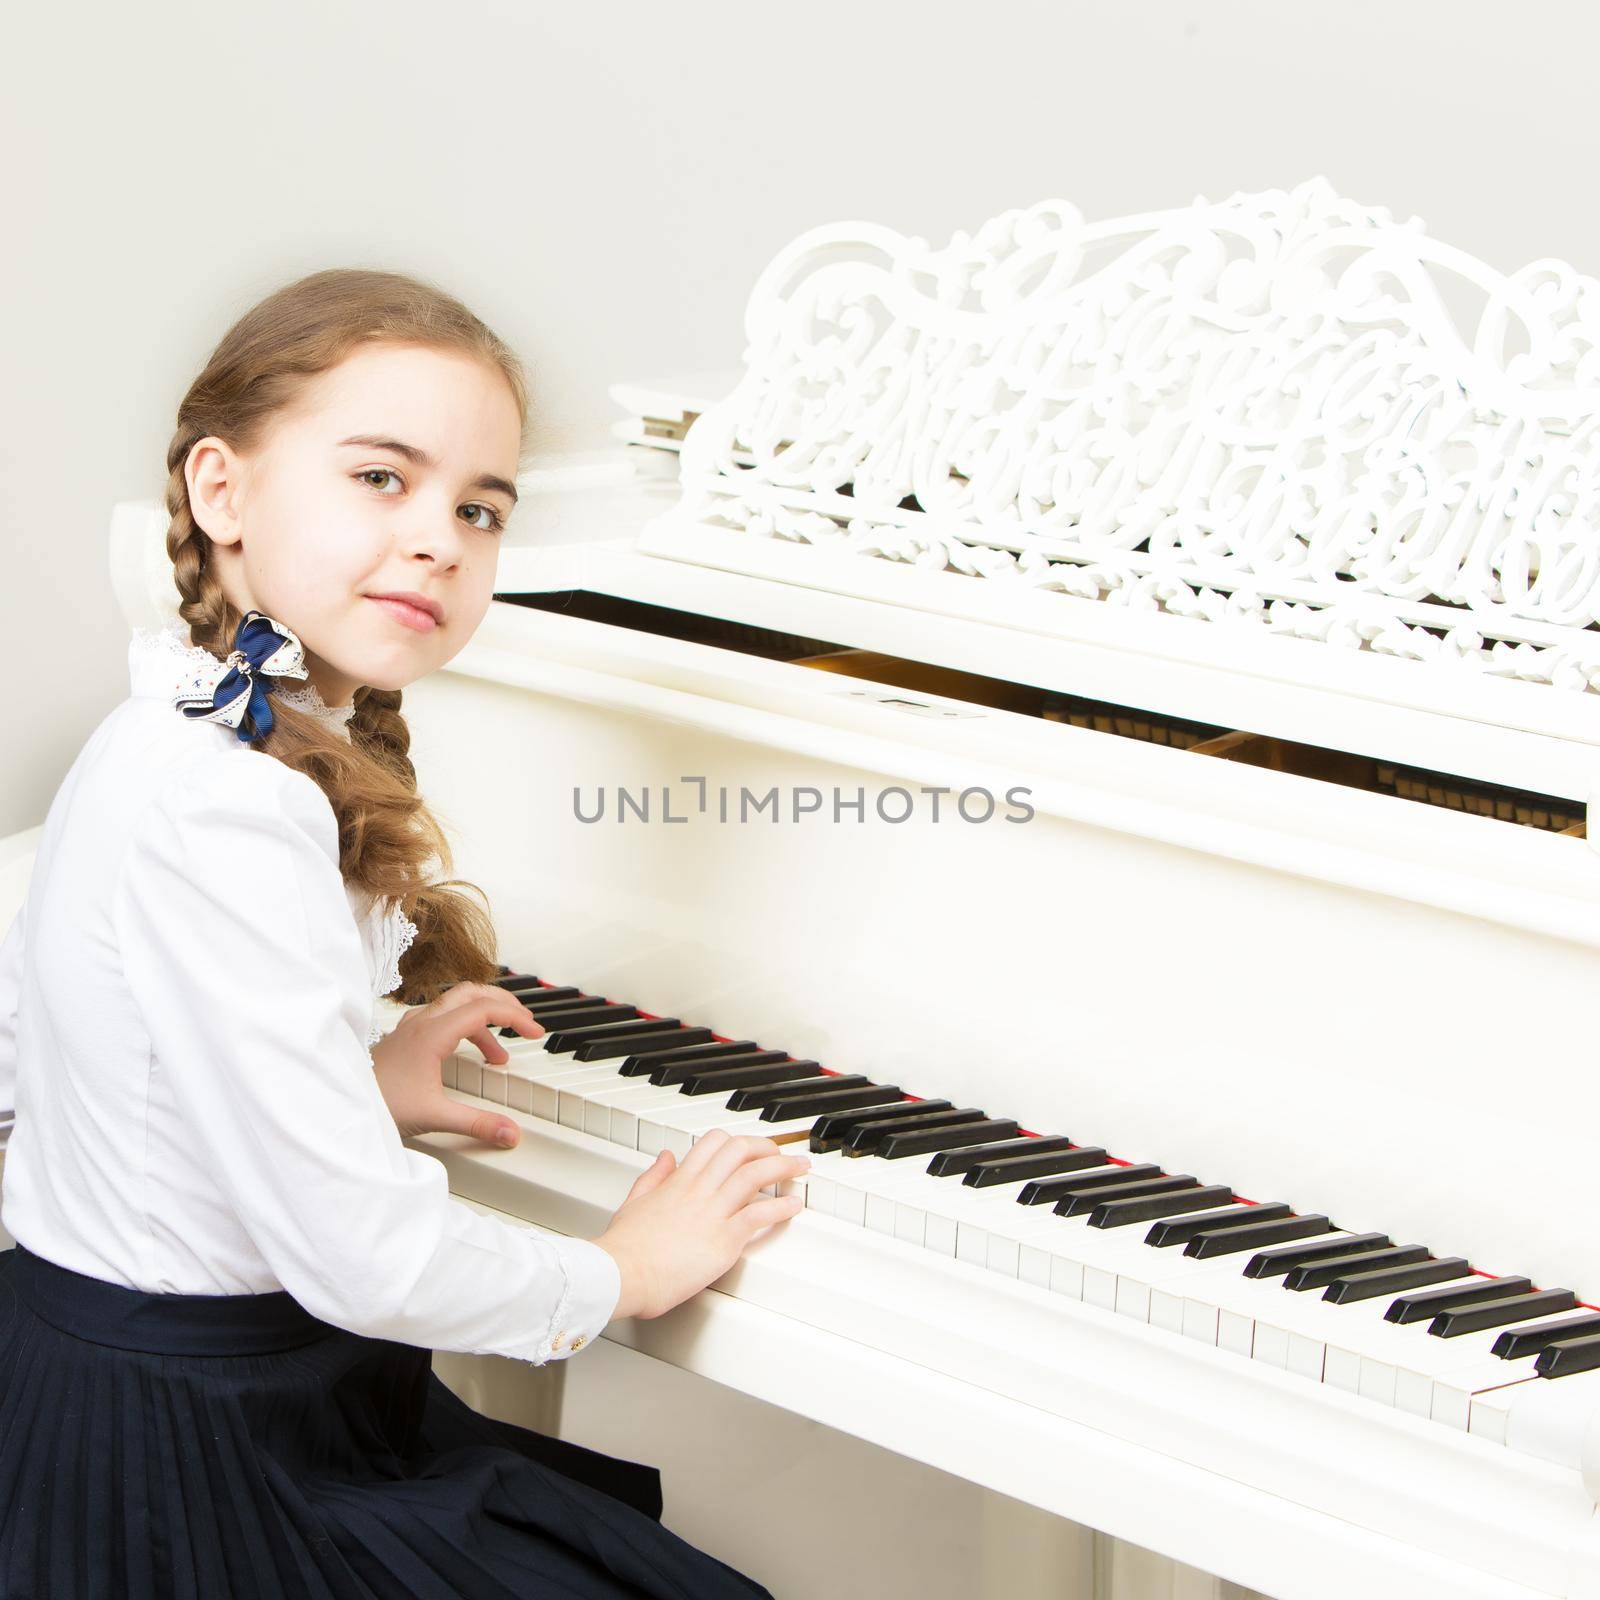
(261,647)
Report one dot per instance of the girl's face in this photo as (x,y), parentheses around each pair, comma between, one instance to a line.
(392,473)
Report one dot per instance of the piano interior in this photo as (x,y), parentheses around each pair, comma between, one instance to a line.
(1499,803)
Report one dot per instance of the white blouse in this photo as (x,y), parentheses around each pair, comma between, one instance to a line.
(186,1014)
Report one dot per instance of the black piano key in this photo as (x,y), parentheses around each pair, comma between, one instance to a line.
(542,1002)
(1386,1280)
(1046,1191)
(1274,1263)
(743,1077)
(830,1130)
(1524,1341)
(646,1062)
(1078,1202)
(581,1014)
(667,1073)
(1479,1314)
(807,1105)
(1146,1208)
(809,1084)
(1567,1356)
(1046,1164)
(920,1142)
(613,1049)
(1319,1274)
(570,1038)
(865,1137)
(1235,1241)
(516,980)
(1180,1230)
(1426,1306)
(956,1163)
(526,992)
(951,1163)
(795,1072)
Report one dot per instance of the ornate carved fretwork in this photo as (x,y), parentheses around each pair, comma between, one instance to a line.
(1285,411)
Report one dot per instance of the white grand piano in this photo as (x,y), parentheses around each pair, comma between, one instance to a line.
(1115,695)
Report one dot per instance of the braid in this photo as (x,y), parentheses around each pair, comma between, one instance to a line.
(377,723)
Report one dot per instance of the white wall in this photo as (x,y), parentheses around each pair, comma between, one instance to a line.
(602,183)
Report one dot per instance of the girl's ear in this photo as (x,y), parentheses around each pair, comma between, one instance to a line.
(214,473)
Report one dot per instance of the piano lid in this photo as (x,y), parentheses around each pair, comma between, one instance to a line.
(1277,462)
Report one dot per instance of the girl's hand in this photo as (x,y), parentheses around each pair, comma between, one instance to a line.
(409,1061)
(685,1223)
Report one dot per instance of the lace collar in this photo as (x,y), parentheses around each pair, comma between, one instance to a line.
(162,663)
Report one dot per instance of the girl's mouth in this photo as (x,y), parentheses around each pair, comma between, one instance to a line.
(407,615)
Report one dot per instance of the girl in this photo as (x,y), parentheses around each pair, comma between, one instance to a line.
(215,1329)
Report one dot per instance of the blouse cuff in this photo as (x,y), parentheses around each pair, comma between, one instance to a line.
(593,1288)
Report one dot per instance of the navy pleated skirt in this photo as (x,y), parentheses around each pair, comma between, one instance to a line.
(234,1447)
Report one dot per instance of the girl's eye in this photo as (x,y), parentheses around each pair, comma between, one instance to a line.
(496,524)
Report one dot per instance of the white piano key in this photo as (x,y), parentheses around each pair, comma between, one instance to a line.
(683,1132)
(545,1069)
(597,1109)
(521,1048)
(1453,1392)
(821,1182)
(626,1106)
(1216,1304)
(1151,1288)
(1489,1412)
(1364,1356)
(893,1193)
(747,1124)
(867,1176)
(571,1094)
(1105,1256)
(688,1115)
(627,1094)
(1396,1365)
(1546,1417)
(1038,1263)
(900,1200)
(624,1129)
(547,1088)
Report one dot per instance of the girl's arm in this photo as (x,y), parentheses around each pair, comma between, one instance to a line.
(10,997)
(246,962)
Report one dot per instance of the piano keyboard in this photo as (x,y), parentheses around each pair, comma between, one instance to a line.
(1387,1319)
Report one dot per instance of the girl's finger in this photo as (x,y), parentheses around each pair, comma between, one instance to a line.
(494,1052)
(653,1176)
(754,1176)
(765,1212)
(448,1026)
(453,1116)
(729,1157)
(701,1152)
(458,994)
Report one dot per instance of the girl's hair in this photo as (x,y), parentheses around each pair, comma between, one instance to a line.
(388,839)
